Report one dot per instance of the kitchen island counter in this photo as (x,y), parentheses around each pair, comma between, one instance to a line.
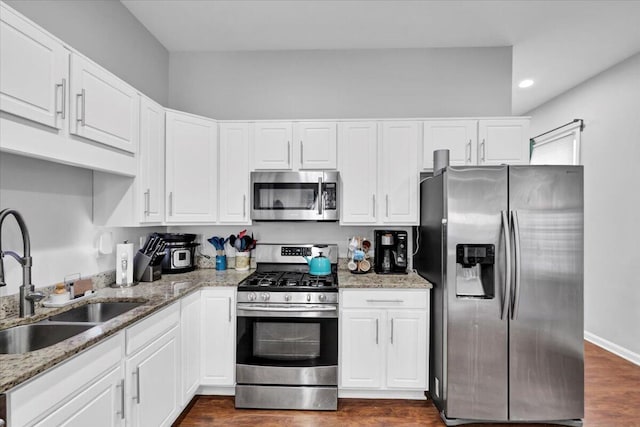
(17,368)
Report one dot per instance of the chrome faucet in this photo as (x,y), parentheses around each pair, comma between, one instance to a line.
(28,294)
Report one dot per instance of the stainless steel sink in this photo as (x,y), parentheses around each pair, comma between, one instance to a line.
(97,312)
(26,338)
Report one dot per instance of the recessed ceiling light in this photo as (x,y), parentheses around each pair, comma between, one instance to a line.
(525,83)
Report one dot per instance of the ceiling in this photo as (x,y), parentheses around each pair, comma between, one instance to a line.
(558,44)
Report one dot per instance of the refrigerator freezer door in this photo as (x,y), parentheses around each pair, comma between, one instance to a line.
(546,378)
(476,337)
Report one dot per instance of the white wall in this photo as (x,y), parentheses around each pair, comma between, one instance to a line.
(342,84)
(106,32)
(56,203)
(610,105)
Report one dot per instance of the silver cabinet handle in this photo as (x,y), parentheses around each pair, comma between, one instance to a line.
(469,156)
(244,206)
(229,310)
(171,203)
(136,373)
(82,96)
(387,202)
(320,201)
(507,274)
(483,150)
(384,300)
(147,201)
(289,153)
(376,331)
(374,204)
(121,387)
(516,291)
(63,107)
(301,155)
(392,330)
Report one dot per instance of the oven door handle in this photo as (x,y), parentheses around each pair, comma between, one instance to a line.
(281,311)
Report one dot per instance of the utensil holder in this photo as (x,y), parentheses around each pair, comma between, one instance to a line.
(242,261)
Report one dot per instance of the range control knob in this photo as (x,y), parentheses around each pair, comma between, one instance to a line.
(308,297)
(287,297)
(264,296)
(252,296)
(322,297)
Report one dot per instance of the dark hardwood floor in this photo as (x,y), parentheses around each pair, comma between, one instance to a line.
(612,399)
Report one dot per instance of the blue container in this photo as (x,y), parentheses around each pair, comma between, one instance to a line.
(221,262)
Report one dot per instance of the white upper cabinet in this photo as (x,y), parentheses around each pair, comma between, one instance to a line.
(317,145)
(191,168)
(272,145)
(357,160)
(503,142)
(151,162)
(34,71)
(399,172)
(458,136)
(234,173)
(103,107)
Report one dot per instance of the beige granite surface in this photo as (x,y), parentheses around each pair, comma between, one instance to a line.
(17,368)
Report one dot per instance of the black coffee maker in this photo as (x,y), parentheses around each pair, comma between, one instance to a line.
(390,252)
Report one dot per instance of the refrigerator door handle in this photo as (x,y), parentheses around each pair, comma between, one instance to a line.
(516,292)
(507,279)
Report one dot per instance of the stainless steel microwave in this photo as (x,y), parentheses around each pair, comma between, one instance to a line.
(294,196)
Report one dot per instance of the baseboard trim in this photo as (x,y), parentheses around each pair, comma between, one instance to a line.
(613,348)
(213,390)
(381,394)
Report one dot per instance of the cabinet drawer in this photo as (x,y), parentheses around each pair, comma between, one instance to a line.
(37,397)
(152,327)
(383,298)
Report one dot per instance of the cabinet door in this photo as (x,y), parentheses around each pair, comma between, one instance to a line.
(100,405)
(272,145)
(234,173)
(317,145)
(457,136)
(407,350)
(218,337)
(190,345)
(34,71)
(151,162)
(154,386)
(503,142)
(358,172)
(191,161)
(362,344)
(103,107)
(399,172)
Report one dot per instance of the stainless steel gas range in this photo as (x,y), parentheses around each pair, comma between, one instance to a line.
(287,335)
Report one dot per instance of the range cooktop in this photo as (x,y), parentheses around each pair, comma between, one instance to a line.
(288,281)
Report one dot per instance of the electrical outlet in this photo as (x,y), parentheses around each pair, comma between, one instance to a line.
(143,239)
(437,387)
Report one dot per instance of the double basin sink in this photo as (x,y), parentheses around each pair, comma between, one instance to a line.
(59,327)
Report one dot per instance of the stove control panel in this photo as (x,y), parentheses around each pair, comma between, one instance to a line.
(295,251)
(294,297)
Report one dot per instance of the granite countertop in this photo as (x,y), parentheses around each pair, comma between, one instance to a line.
(17,368)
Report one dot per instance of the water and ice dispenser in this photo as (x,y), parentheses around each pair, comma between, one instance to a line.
(474,270)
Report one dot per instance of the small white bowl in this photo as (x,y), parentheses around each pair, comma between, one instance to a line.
(58,298)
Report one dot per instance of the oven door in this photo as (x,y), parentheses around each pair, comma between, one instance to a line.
(294,196)
(287,344)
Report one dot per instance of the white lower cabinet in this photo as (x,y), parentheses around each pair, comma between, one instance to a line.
(218,337)
(383,343)
(152,369)
(85,390)
(190,338)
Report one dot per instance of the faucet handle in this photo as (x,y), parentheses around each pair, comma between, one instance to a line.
(35,296)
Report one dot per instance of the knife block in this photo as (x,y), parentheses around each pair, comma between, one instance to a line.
(147,269)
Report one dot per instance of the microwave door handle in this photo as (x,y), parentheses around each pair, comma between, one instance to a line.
(320,198)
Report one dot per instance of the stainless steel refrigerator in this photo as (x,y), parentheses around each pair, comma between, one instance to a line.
(503,247)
